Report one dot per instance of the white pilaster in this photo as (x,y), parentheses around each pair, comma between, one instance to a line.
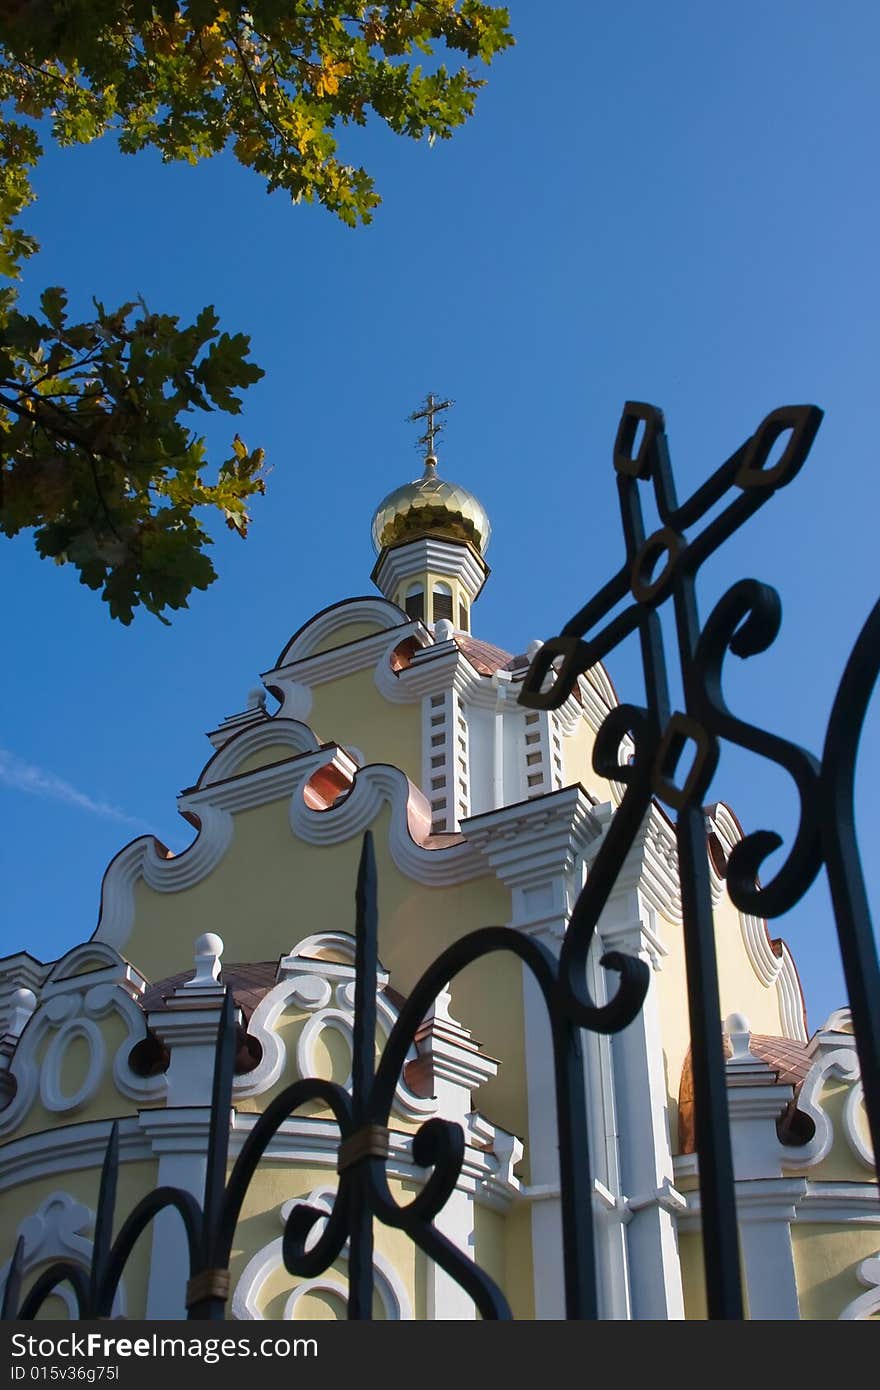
(535,849)
(450,1067)
(652,1203)
(765,1201)
(188,1027)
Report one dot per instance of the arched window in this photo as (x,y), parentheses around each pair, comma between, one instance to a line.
(414,603)
(442,602)
(463,617)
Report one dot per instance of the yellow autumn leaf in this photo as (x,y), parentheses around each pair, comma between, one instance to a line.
(327,81)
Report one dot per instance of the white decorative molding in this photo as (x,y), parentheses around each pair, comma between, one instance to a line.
(269,733)
(66,1149)
(852,1113)
(816,1203)
(433,670)
(70,1004)
(360,655)
(840,1203)
(268,1261)
(867,1305)
(651,866)
(57,1231)
(372,788)
(838,1063)
(19,1006)
(323,989)
(598,696)
(529,842)
(51,1093)
(369,609)
(146,858)
(235,723)
(20,971)
(430,555)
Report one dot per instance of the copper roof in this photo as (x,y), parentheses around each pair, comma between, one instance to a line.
(487,659)
(791,1061)
(249,981)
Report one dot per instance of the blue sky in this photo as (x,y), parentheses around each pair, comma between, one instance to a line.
(673,203)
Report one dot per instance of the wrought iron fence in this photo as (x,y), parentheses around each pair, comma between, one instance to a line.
(657,568)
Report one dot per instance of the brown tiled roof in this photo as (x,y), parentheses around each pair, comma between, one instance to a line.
(488,659)
(790,1060)
(249,981)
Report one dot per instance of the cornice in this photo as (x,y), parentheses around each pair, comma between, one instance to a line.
(268,732)
(67,1149)
(427,553)
(185,1129)
(651,865)
(360,655)
(532,841)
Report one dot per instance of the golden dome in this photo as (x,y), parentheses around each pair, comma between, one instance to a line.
(430,506)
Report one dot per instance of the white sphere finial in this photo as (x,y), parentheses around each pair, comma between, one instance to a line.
(23,1002)
(209,949)
(533,648)
(739,1031)
(443,630)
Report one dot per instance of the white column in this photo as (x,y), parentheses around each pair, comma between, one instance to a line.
(642,1109)
(535,848)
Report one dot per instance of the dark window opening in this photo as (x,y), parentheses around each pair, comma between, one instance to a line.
(415,606)
(442,605)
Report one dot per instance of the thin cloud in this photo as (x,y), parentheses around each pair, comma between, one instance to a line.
(24,777)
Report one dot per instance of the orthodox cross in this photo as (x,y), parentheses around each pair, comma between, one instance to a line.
(428,412)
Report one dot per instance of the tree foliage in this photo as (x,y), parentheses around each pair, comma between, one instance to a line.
(96,453)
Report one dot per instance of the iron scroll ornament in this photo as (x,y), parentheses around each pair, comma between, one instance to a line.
(745,622)
(362,1116)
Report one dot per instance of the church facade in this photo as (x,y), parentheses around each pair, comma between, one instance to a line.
(393,716)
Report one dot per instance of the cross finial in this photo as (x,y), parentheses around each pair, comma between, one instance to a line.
(429,412)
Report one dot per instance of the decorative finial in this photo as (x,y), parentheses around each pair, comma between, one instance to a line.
(428,412)
(739,1031)
(209,949)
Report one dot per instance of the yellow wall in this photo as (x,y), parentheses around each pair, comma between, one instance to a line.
(352,632)
(826,1258)
(351,712)
(693,1279)
(264,757)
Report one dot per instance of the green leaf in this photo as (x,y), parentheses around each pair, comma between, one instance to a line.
(53,302)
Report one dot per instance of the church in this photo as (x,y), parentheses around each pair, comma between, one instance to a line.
(391,712)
